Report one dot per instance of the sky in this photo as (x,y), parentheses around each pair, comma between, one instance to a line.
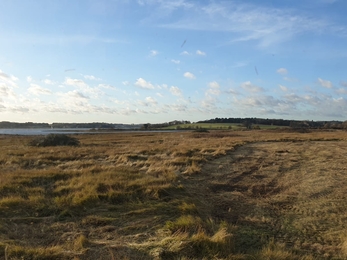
(155,61)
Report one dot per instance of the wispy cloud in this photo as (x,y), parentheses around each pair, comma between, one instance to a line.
(91,77)
(6,91)
(214,88)
(153,53)
(176,91)
(167,6)
(75,82)
(343,83)
(48,82)
(325,83)
(200,53)
(266,25)
(290,79)
(283,88)
(37,90)
(151,100)
(8,79)
(251,87)
(176,61)
(239,64)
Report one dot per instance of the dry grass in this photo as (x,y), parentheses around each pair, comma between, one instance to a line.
(217,195)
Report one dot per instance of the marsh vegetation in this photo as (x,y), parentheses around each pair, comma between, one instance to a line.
(193,195)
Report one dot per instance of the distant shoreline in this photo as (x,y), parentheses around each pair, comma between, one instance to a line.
(46,131)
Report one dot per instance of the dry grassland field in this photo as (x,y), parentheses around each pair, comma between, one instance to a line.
(267,194)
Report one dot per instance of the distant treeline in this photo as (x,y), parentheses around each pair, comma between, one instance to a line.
(166,124)
(6,124)
(247,122)
(11,125)
(280,122)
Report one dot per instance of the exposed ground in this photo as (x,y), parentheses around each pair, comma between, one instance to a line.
(218,195)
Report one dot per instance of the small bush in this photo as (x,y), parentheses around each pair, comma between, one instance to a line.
(201,130)
(54,140)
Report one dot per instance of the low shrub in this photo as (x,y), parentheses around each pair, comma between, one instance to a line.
(201,130)
(55,140)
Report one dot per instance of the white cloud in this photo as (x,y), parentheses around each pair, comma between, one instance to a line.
(126,83)
(106,86)
(48,82)
(179,107)
(151,100)
(325,83)
(282,71)
(29,79)
(38,90)
(184,53)
(4,76)
(75,102)
(8,79)
(290,79)
(95,92)
(189,75)
(75,82)
(232,91)
(91,77)
(176,61)
(214,88)
(6,91)
(209,102)
(159,95)
(140,82)
(214,85)
(153,53)
(175,91)
(251,87)
(213,91)
(343,83)
(201,53)
(283,88)
(342,91)
(76,96)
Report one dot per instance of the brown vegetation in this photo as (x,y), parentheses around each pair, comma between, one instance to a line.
(218,195)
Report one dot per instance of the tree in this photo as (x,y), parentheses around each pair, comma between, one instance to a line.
(247,124)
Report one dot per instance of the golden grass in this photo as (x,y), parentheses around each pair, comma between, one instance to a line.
(217,195)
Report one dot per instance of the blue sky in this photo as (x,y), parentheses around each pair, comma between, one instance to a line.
(128,61)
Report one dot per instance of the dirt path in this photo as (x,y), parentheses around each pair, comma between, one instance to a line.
(291,192)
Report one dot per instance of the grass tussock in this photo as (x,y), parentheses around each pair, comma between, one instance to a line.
(216,195)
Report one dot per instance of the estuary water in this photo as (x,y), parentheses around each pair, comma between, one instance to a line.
(44,131)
